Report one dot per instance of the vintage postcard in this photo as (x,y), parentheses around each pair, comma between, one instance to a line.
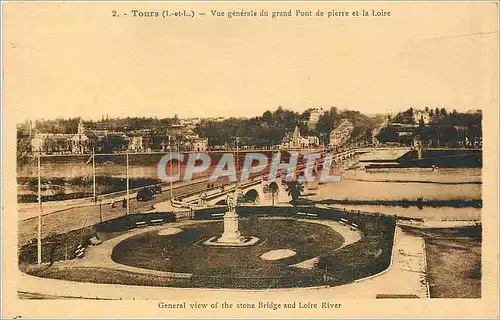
(250,160)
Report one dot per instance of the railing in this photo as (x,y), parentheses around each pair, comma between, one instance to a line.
(108,197)
(180,201)
(183,200)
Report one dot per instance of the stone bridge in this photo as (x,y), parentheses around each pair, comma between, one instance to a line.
(257,191)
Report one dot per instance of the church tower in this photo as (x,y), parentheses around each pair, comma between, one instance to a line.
(296,133)
(296,138)
(81,127)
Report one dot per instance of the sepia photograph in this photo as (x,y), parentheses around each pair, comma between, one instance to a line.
(250,159)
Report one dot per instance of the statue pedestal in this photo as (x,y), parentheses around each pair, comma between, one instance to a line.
(231,231)
(231,236)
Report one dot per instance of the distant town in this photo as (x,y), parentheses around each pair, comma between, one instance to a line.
(280,129)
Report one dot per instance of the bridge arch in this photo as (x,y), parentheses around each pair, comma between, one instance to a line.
(273,186)
(221,202)
(251,195)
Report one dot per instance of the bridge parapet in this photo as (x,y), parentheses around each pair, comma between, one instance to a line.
(199,199)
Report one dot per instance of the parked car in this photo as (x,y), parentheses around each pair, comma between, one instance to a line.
(145,194)
(156,189)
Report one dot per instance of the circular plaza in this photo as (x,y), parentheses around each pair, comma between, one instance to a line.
(320,247)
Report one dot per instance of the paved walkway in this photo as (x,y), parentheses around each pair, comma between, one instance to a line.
(441,224)
(349,235)
(405,276)
(100,256)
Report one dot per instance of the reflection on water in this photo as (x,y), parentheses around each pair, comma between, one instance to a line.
(72,170)
(397,184)
(440,213)
(441,175)
(410,184)
(368,190)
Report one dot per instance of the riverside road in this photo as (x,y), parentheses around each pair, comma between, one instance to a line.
(77,217)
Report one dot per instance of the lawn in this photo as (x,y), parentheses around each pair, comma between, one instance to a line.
(184,252)
(217,267)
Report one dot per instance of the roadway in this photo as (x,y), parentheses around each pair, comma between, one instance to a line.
(77,217)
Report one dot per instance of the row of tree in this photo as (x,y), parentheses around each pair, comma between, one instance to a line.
(70,125)
(270,128)
(443,128)
(437,116)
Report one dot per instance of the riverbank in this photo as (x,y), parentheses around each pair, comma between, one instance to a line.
(454,261)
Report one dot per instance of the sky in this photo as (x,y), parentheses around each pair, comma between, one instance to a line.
(75,59)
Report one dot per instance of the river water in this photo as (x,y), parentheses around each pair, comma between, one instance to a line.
(408,184)
(358,184)
(441,184)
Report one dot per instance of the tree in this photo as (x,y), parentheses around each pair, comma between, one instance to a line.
(410,113)
(421,122)
(294,190)
(443,112)
(274,190)
(327,121)
(268,117)
(306,115)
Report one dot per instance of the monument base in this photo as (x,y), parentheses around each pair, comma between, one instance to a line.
(231,237)
(242,242)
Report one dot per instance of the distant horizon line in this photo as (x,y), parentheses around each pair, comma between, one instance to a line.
(111,117)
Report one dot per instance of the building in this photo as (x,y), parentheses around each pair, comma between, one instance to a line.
(138,144)
(420,115)
(109,141)
(313,141)
(314,116)
(341,134)
(190,122)
(60,143)
(81,142)
(199,144)
(295,140)
(186,138)
(51,143)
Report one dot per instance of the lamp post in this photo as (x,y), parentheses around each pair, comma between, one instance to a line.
(100,210)
(171,186)
(93,174)
(128,186)
(237,156)
(178,157)
(39,230)
(236,139)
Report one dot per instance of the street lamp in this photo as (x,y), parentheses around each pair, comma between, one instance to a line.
(100,209)
(236,138)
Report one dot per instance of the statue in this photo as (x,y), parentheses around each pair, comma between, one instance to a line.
(202,199)
(231,231)
(232,201)
(231,235)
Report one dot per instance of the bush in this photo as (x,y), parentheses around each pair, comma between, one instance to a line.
(56,246)
(127,222)
(369,256)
